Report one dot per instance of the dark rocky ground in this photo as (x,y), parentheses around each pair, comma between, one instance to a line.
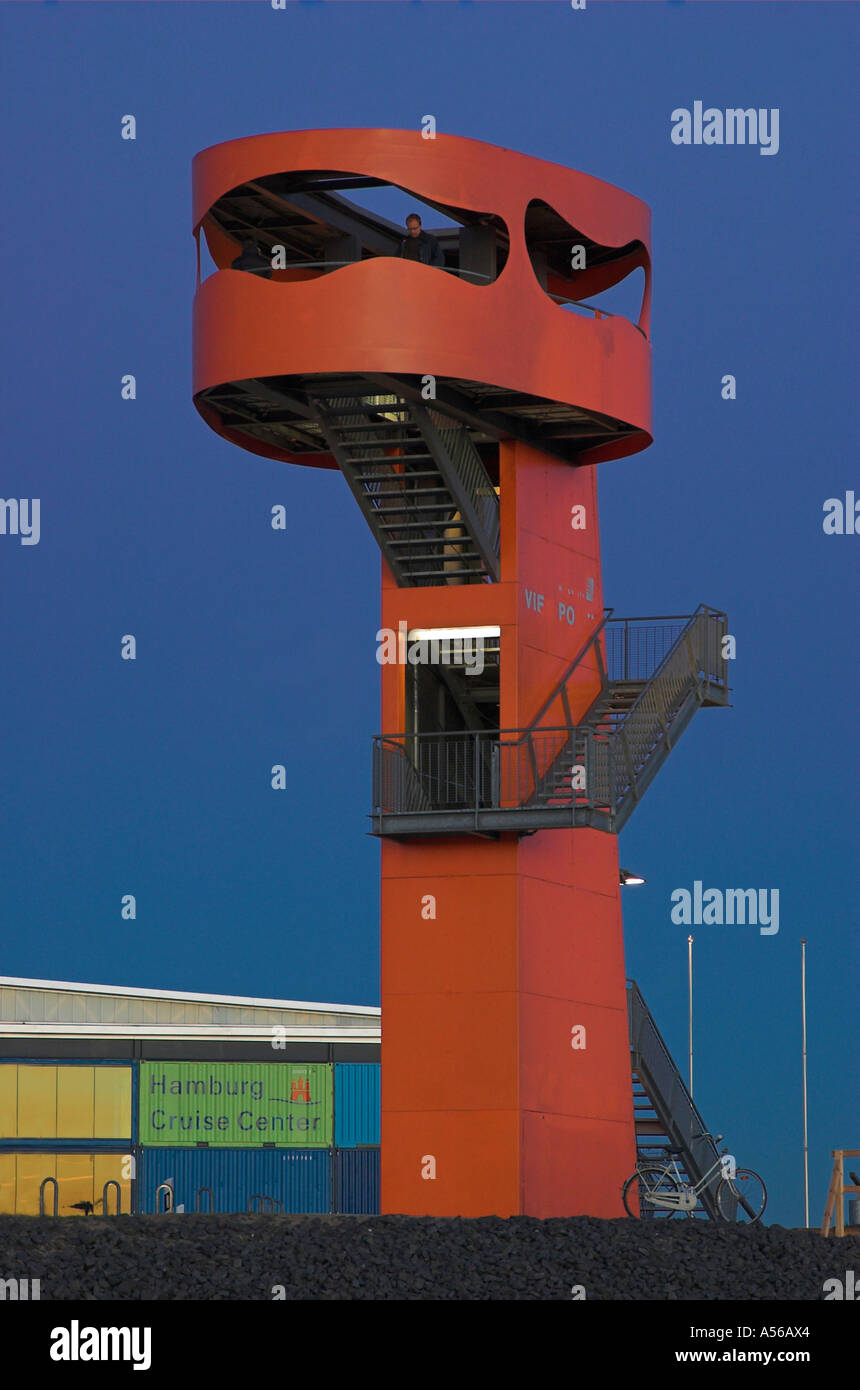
(397,1257)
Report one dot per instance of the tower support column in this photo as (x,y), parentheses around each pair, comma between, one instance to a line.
(506,1083)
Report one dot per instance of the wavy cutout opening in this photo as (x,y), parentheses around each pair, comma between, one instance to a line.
(320,231)
(582,276)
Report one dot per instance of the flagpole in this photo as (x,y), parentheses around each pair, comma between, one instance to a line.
(805,1130)
(690,995)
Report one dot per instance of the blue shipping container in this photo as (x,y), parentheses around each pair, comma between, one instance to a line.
(357,1104)
(358,1181)
(299,1179)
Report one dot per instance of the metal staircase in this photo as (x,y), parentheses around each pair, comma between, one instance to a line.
(613,704)
(666,1120)
(603,720)
(652,676)
(421,486)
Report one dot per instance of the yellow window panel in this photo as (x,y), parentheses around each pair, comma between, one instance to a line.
(112,1103)
(75,1102)
(37,1102)
(8,1101)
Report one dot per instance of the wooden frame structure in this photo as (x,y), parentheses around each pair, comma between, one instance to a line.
(835,1205)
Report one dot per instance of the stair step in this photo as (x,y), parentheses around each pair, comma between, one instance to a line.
(384,427)
(366,420)
(390,460)
(380,445)
(357,406)
(441,573)
(410,555)
(425,525)
(431,540)
(419,507)
(385,477)
(406,495)
(356,435)
(355,450)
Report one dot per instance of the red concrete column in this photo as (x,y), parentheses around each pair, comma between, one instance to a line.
(506,1082)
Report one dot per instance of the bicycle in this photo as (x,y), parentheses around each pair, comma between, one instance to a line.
(741,1194)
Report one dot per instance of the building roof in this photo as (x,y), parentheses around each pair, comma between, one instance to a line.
(57,1008)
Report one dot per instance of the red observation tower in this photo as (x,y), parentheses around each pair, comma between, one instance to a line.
(467,395)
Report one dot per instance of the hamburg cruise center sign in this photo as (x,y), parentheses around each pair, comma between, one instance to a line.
(236,1105)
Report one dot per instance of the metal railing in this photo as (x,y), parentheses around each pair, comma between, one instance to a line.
(583,304)
(567,303)
(694,662)
(633,650)
(362,260)
(678,662)
(484,770)
(473,276)
(470,469)
(635,647)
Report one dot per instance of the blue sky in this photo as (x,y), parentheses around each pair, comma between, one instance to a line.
(152,777)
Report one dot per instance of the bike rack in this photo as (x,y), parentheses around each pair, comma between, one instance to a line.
(167,1189)
(111,1182)
(267,1204)
(198,1195)
(56,1187)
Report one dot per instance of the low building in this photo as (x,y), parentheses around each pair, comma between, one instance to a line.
(148,1100)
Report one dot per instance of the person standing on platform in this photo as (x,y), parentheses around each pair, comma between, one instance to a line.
(419,245)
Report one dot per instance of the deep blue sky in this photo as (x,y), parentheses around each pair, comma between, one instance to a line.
(152,777)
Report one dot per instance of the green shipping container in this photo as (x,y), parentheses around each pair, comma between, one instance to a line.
(236,1104)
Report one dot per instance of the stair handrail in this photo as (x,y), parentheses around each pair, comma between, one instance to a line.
(645,723)
(689,1128)
(467,479)
(607,617)
(652,681)
(698,613)
(472,471)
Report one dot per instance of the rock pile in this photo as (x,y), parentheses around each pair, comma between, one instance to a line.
(262,1257)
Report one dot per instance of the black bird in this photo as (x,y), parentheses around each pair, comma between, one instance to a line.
(86,1207)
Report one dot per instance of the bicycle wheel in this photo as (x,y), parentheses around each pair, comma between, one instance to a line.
(648,1182)
(742,1198)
